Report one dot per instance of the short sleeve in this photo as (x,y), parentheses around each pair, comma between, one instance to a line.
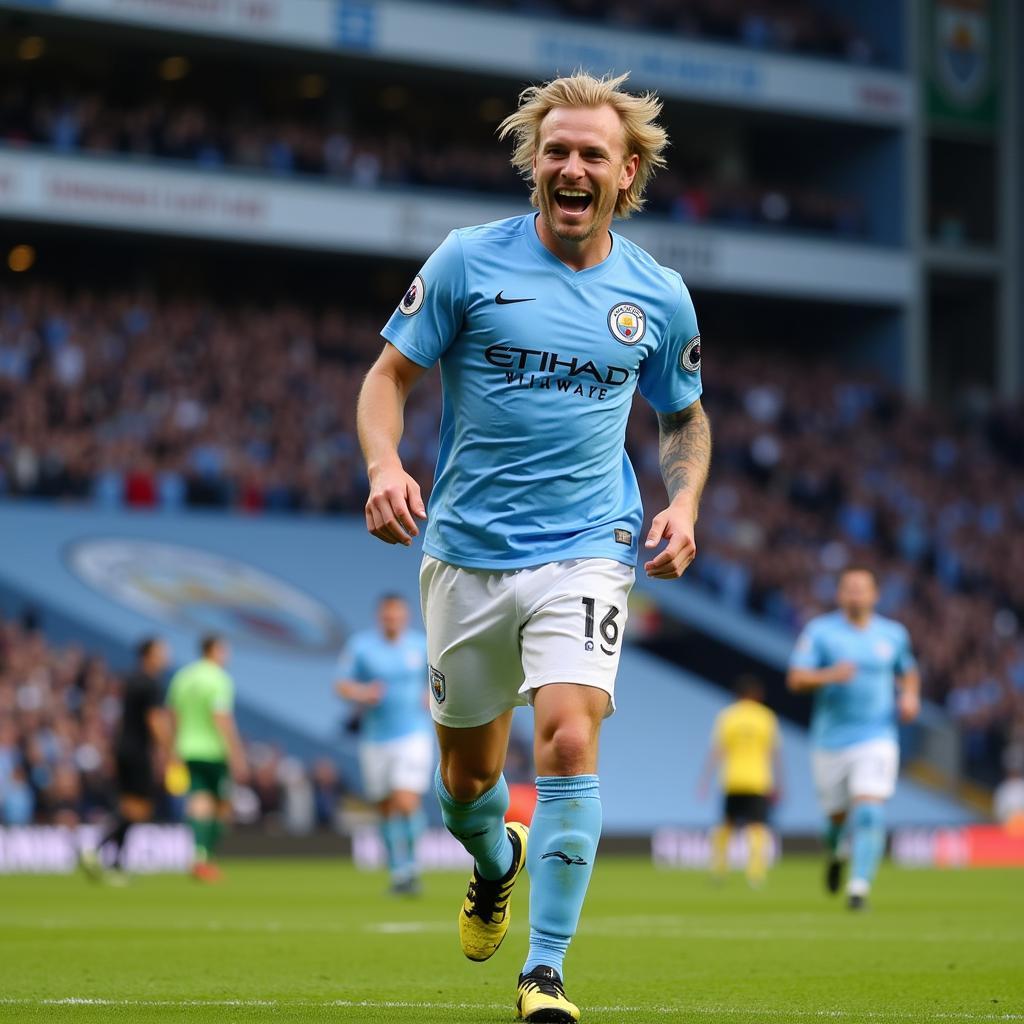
(905,660)
(346,667)
(224,695)
(152,694)
(172,691)
(352,663)
(670,376)
(807,652)
(430,314)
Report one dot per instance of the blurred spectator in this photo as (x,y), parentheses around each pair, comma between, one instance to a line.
(370,155)
(184,402)
(60,711)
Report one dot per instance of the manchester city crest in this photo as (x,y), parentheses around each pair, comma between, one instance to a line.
(963,48)
(627,322)
(437,685)
(413,298)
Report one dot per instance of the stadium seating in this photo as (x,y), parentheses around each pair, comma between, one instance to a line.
(343,147)
(935,501)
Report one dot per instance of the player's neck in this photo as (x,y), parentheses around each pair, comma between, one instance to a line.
(858,619)
(576,255)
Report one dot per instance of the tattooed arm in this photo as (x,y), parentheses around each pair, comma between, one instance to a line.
(685,451)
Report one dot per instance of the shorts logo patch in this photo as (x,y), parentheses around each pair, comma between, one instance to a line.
(624,537)
(628,323)
(689,358)
(437,685)
(413,298)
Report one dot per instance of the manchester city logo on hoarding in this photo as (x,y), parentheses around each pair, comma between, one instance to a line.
(963,48)
(205,592)
(627,322)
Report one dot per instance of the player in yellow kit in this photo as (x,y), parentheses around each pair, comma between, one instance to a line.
(745,748)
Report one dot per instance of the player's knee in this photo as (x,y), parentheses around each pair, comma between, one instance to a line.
(568,749)
(465,783)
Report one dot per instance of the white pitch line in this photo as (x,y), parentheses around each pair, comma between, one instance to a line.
(398,1004)
(652,927)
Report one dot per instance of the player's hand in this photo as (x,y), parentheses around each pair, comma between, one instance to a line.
(843,671)
(239,768)
(394,500)
(674,525)
(371,694)
(909,705)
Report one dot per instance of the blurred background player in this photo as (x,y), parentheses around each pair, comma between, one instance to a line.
(854,661)
(383,672)
(745,747)
(202,695)
(143,745)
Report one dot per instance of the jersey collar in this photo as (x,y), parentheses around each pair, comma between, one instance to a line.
(574,277)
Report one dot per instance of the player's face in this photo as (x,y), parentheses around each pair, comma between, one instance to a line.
(393,617)
(857,594)
(579,168)
(159,658)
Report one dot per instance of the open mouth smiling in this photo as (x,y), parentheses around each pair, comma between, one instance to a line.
(573,200)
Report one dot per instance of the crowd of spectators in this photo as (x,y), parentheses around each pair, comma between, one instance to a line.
(816,468)
(336,148)
(60,709)
(129,400)
(786,26)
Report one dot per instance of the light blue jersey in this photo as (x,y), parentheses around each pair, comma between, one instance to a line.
(401,667)
(865,707)
(539,364)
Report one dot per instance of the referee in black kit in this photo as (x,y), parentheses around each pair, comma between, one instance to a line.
(144,733)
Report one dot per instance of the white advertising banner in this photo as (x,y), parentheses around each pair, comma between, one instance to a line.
(691,848)
(398,223)
(492,42)
(52,849)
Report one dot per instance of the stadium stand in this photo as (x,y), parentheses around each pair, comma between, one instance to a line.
(255,412)
(355,147)
(59,715)
(786,27)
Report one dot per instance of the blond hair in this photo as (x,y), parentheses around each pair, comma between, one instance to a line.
(642,134)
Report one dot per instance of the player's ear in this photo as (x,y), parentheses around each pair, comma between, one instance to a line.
(629,169)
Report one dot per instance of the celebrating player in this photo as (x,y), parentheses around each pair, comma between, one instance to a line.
(544,326)
(381,671)
(202,697)
(745,744)
(143,737)
(854,661)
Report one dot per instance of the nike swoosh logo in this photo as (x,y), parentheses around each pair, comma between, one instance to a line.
(502,301)
(562,857)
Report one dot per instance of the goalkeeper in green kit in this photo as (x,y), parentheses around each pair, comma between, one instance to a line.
(201,697)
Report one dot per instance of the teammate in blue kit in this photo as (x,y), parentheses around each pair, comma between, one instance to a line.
(544,326)
(381,671)
(855,662)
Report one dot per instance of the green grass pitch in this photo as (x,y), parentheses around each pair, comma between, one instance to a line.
(290,941)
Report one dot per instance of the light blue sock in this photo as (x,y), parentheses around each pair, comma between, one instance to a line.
(413,826)
(867,826)
(833,837)
(479,826)
(560,858)
(394,843)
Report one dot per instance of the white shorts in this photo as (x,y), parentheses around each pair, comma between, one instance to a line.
(405,763)
(493,638)
(864,769)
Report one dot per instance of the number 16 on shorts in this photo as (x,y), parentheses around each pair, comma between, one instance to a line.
(608,628)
